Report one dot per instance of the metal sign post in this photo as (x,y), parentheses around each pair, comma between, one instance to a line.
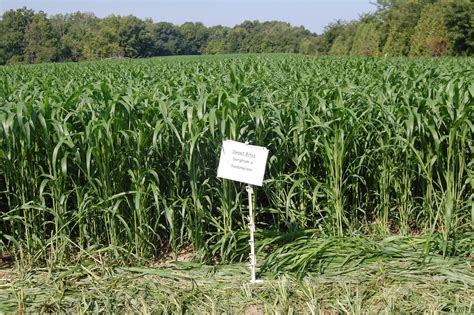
(253,259)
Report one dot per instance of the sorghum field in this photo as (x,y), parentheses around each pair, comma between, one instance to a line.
(108,181)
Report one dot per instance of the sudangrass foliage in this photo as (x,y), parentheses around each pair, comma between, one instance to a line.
(123,155)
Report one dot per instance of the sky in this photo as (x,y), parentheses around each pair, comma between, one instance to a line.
(312,14)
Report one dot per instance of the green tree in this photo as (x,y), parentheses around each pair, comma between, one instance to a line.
(41,42)
(75,33)
(342,45)
(331,32)
(216,43)
(281,37)
(401,21)
(460,25)
(214,47)
(166,38)
(270,36)
(13,25)
(105,43)
(195,37)
(236,40)
(431,33)
(134,38)
(309,45)
(368,38)
(242,38)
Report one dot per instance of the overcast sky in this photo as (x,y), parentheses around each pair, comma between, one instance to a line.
(313,15)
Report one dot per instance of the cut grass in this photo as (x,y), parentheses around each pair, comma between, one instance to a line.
(388,287)
(303,273)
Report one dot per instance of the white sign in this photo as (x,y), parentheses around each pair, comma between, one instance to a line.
(242,162)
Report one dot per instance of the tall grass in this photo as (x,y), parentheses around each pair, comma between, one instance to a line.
(123,155)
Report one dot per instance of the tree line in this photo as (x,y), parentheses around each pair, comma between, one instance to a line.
(405,28)
(396,28)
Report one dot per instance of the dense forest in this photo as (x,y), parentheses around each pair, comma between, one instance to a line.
(396,28)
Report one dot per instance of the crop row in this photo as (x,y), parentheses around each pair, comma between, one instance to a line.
(123,154)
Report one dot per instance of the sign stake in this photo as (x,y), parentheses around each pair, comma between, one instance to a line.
(244,163)
(253,258)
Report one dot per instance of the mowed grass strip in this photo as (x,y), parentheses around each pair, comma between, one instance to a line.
(396,286)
